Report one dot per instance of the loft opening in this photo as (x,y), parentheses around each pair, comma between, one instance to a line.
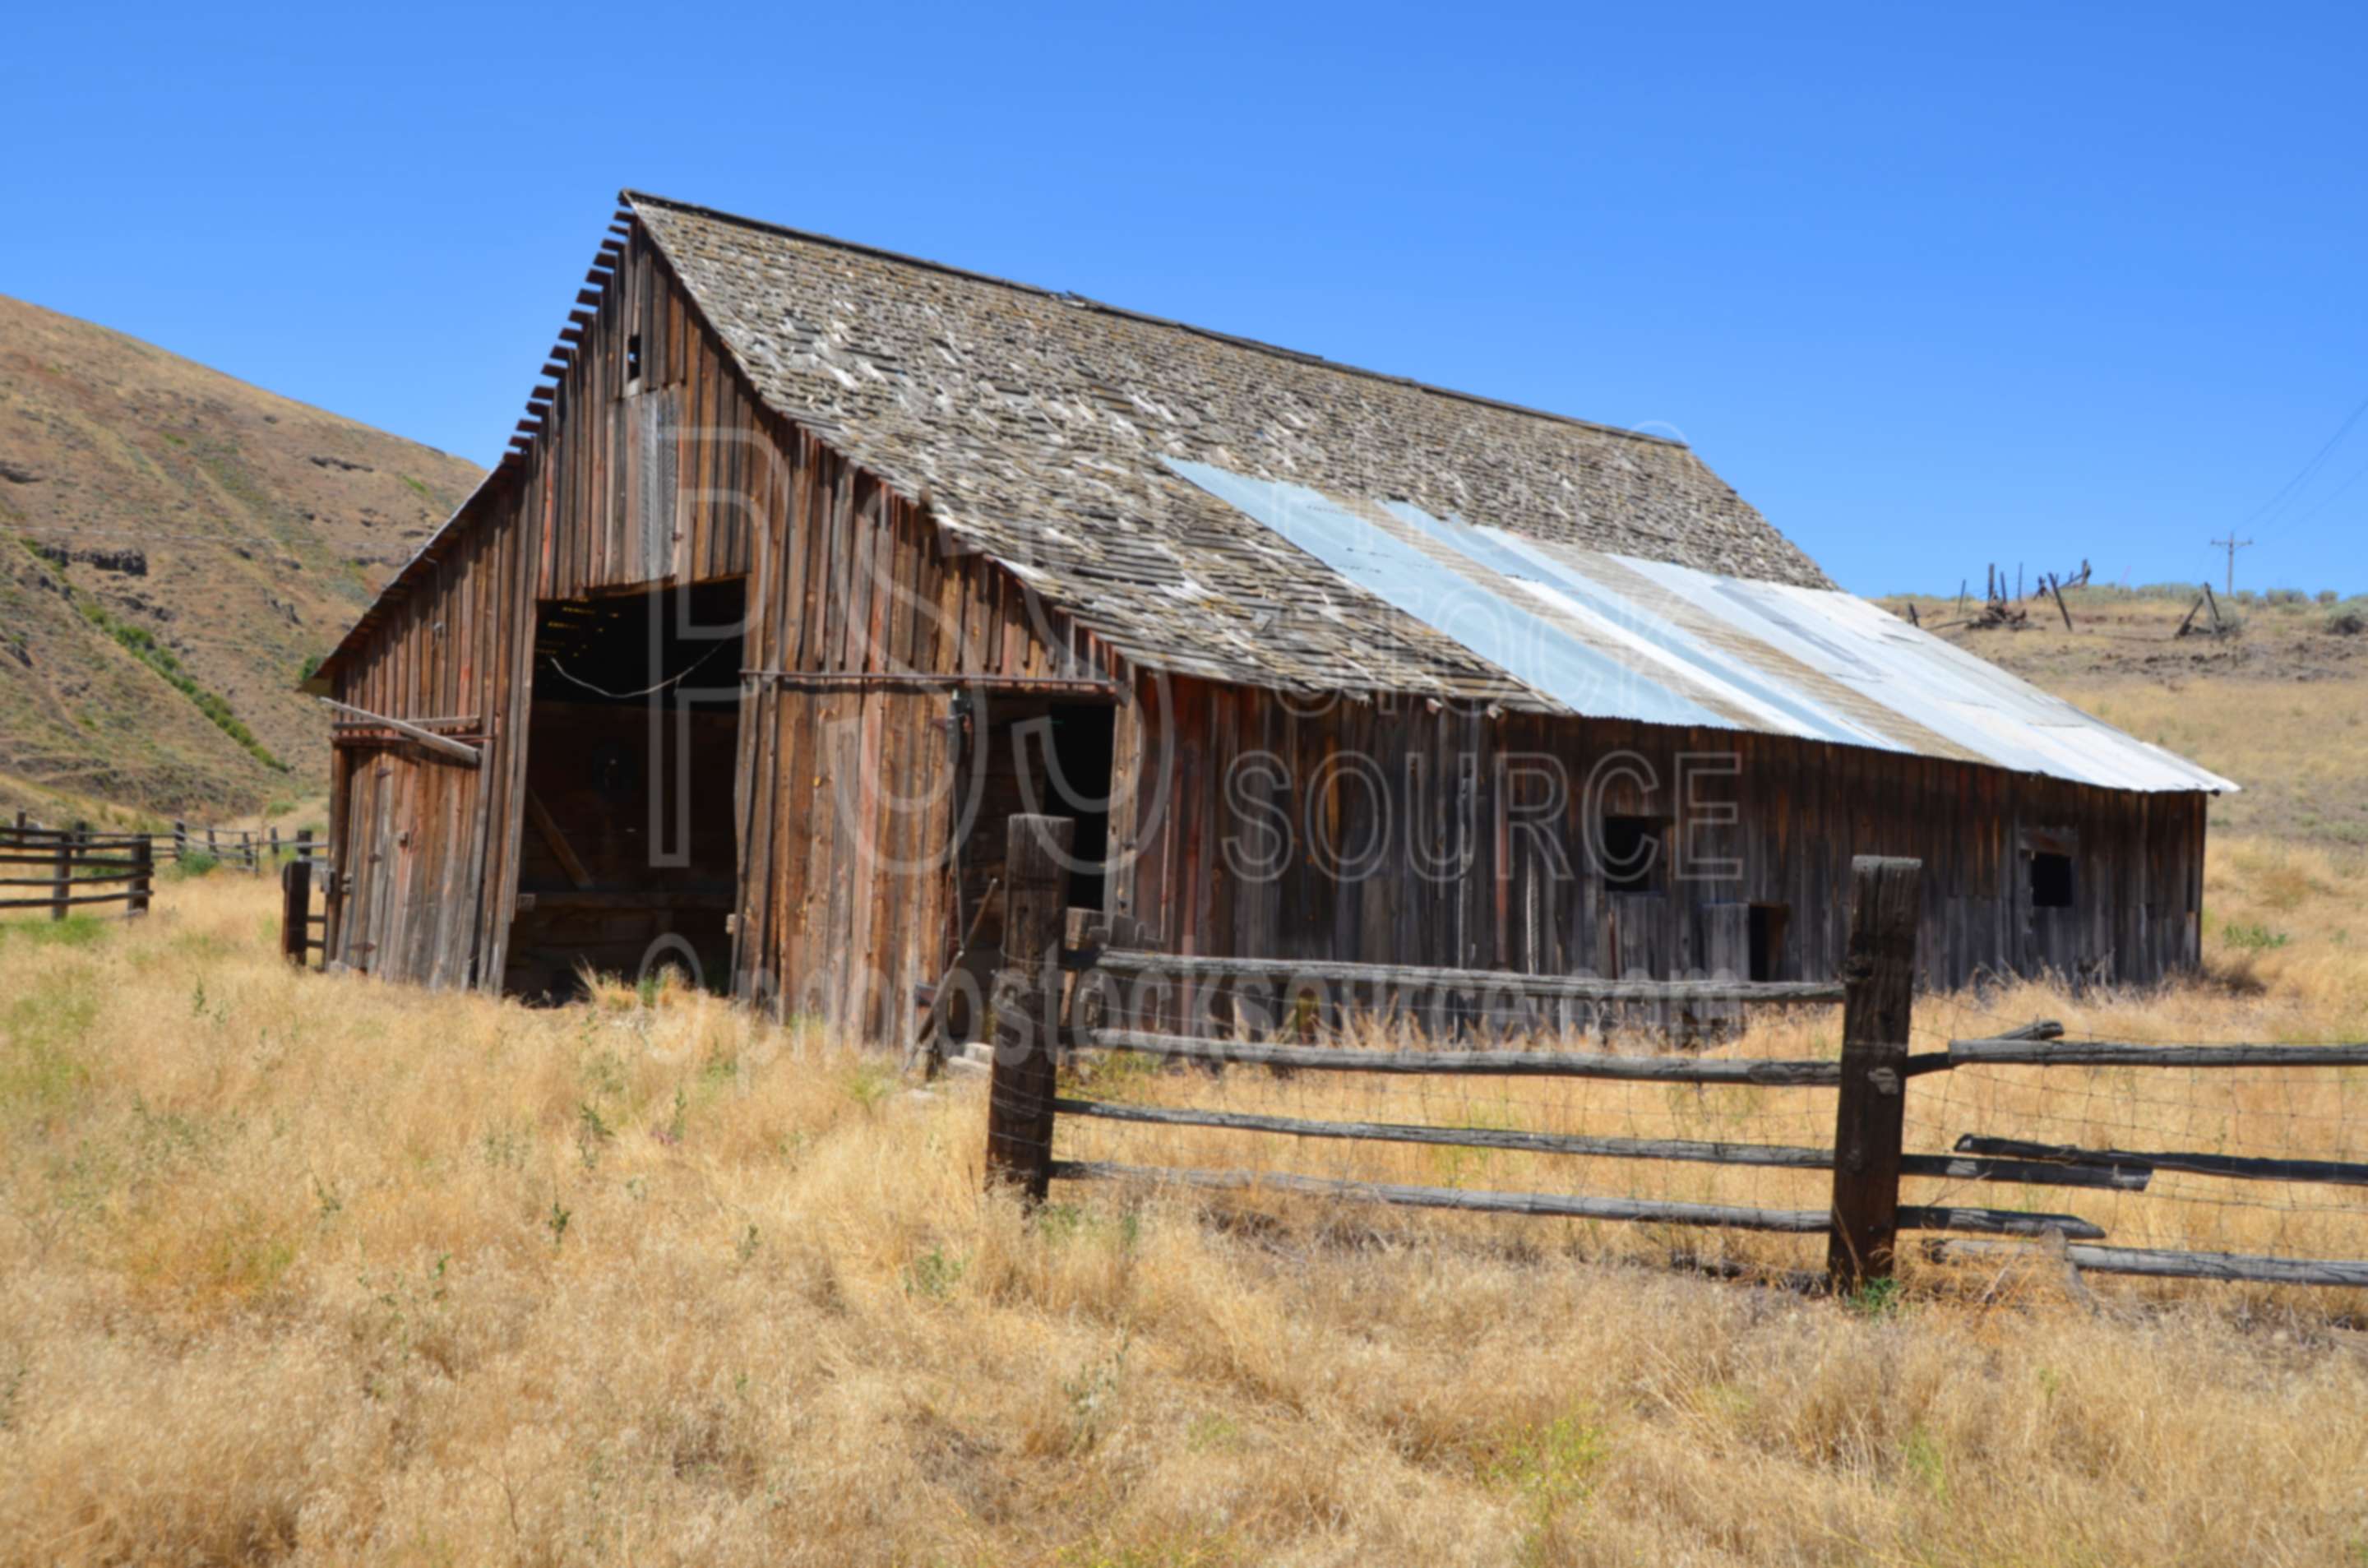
(628,850)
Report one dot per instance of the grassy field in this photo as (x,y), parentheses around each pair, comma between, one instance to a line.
(307,1269)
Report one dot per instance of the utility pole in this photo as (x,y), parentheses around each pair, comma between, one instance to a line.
(2233,544)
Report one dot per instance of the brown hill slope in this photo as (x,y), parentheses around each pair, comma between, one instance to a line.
(174,545)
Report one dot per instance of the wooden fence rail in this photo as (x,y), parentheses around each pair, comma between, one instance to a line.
(73,861)
(76,861)
(1036,1017)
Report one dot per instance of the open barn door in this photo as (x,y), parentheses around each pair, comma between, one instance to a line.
(627,851)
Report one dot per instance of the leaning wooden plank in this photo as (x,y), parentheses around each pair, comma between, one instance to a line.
(1776,1155)
(564,852)
(1995,1221)
(1802,1221)
(2189,1265)
(1996,1052)
(1576,987)
(2234,1167)
(1509,1063)
(429,738)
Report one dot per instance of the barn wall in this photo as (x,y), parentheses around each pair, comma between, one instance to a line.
(853,806)
(858,609)
(426,844)
(1502,805)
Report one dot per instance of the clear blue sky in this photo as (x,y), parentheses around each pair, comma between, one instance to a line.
(2019,284)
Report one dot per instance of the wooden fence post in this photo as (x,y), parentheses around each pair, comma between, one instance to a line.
(213,849)
(295,911)
(1879,974)
(143,877)
(180,841)
(1021,1082)
(62,876)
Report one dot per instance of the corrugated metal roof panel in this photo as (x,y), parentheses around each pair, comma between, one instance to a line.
(1618,636)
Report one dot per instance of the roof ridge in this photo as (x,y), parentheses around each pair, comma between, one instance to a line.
(631,197)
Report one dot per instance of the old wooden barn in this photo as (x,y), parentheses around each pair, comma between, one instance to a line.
(809,564)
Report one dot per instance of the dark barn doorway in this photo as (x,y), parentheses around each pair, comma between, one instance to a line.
(1018,752)
(628,853)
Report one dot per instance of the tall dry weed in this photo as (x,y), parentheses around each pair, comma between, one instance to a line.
(313,1269)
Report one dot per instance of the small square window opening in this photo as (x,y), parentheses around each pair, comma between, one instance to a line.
(1630,850)
(2051,880)
(633,362)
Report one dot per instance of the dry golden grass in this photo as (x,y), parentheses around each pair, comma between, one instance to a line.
(312,1268)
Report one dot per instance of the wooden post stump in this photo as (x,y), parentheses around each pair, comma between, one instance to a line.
(1878,976)
(1027,1006)
(295,911)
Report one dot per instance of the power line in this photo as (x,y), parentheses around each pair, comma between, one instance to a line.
(2303,474)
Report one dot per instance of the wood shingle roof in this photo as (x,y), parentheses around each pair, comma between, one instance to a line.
(1039,427)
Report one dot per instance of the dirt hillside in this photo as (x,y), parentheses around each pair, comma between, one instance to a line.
(174,545)
(2276,699)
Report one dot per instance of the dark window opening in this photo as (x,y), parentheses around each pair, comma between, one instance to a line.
(2051,880)
(633,362)
(1768,923)
(1079,788)
(1631,853)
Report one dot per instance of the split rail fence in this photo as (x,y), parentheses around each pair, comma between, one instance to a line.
(1065,1067)
(68,863)
(62,870)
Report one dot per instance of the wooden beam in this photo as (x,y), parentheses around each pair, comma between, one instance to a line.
(1503,982)
(1541,1203)
(1576,1207)
(1773,1155)
(1879,969)
(1505,1064)
(548,827)
(2235,1167)
(1027,1000)
(441,745)
(2002,1052)
(2252,1269)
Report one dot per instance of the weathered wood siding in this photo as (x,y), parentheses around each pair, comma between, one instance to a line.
(857,611)
(1504,805)
(425,845)
(851,804)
